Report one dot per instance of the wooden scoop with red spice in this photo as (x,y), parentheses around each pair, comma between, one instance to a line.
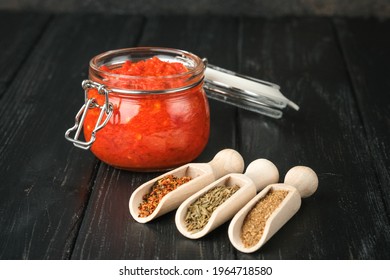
(166,192)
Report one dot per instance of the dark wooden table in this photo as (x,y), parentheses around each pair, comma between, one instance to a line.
(60,202)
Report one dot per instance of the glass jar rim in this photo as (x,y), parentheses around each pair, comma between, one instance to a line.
(176,53)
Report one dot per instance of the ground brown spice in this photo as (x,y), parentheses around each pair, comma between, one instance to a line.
(159,189)
(254,223)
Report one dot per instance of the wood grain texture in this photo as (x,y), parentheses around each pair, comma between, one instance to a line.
(60,202)
(13,46)
(366,52)
(327,134)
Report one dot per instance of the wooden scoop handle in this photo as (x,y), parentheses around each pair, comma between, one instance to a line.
(263,173)
(225,162)
(303,178)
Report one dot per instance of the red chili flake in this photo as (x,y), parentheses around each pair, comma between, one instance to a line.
(159,189)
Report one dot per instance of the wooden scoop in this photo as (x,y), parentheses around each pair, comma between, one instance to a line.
(300,182)
(202,174)
(260,173)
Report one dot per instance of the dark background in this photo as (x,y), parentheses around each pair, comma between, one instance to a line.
(264,8)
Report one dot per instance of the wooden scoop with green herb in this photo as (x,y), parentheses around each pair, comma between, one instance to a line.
(166,192)
(268,211)
(218,202)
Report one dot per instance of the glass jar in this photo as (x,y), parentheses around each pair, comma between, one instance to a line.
(143,123)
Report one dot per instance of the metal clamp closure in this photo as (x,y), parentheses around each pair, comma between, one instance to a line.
(90,103)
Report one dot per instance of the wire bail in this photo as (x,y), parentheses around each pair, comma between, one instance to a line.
(90,103)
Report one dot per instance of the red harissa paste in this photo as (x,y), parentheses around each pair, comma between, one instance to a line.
(150,131)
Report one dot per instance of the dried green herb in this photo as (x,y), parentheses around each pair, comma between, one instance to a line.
(199,212)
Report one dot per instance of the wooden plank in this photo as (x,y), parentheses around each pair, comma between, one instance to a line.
(346,218)
(366,50)
(115,234)
(46,182)
(52,194)
(14,45)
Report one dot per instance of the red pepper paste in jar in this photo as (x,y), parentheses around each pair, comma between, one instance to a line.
(156,128)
